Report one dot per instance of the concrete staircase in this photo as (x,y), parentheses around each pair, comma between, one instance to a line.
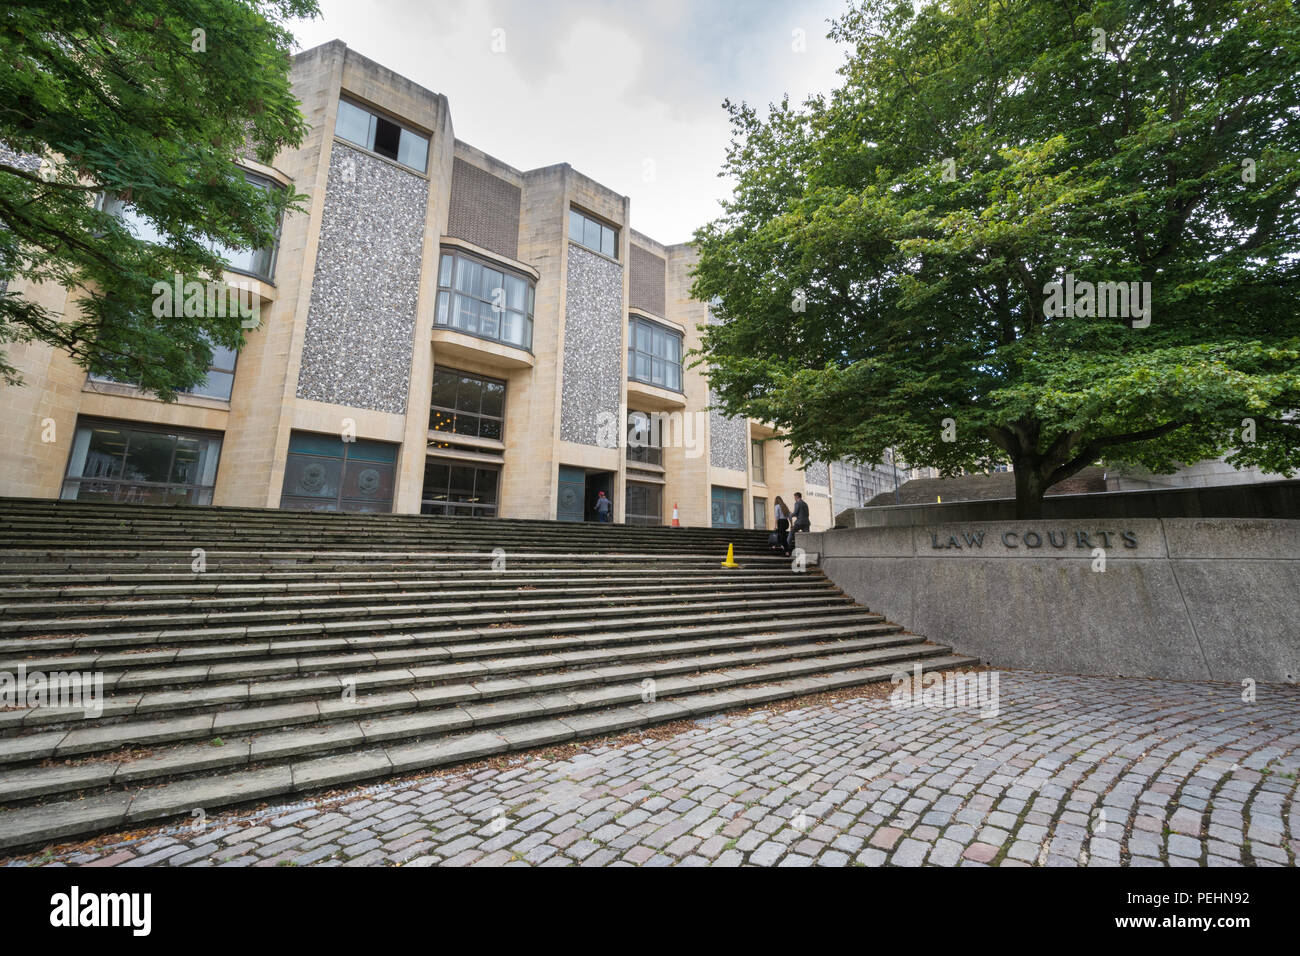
(316,650)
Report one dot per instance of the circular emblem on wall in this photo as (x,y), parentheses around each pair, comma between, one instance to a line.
(313,478)
(368,481)
(568,497)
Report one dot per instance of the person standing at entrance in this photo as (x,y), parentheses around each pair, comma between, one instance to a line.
(782,525)
(801,522)
(604,507)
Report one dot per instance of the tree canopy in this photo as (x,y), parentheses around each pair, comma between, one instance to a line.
(884,273)
(152,103)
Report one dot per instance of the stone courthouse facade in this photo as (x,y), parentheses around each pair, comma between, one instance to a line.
(440,333)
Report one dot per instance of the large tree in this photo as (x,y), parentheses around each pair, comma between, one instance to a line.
(152,103)
(883,274)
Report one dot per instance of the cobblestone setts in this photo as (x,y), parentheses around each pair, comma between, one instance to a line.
(1073,771)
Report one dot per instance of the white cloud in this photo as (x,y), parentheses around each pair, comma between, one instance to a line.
(617,89)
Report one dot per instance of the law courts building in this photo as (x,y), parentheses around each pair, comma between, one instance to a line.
(439,333)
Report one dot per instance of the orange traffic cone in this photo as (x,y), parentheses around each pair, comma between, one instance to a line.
(731,557)
(676,522)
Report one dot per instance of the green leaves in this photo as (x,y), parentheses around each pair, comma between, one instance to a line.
(154,101)
(976,153)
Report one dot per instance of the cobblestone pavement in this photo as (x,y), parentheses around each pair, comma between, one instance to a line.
(1071,771)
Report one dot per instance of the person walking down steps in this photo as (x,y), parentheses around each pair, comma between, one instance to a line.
(604,507)
(782,526)
(800,523)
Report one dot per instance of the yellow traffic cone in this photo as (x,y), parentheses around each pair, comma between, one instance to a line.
(731,557)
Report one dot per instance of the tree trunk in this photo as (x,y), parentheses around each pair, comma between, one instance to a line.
(1030,488)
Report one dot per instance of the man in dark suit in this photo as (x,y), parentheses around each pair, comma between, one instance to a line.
(800,522)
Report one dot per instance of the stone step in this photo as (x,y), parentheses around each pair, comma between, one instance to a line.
(19,602)
(107,810)
(194,661)
(167,630)
(315,650)
(108,648)
(47,580)
(362,581)
(121,518)
(257,711)
(278,609)
(153,690)
(13,563)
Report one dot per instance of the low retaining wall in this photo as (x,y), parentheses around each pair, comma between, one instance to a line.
(1183,598)
(1269,499)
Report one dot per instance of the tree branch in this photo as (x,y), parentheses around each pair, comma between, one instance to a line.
(1091,450)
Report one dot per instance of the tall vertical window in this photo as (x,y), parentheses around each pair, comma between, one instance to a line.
(654,354)
(593,234)
(255,262)
(464,403)
(760,462)
(369,130)
(760,513)
(121,461)
(477,297)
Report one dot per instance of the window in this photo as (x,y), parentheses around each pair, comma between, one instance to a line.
(593,234)
(477,297)
(643,439)
(254,262)
(728,507)
(218,384)
(379,135)
(325,473)
(760,462)
(259,263)
(654,354)
(467,404)
(644,504)
(760,513)
(119,461)
(460,490)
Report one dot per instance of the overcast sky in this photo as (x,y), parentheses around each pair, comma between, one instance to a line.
(628,93)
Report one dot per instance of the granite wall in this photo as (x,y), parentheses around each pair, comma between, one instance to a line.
(593,346)
(361,320)
(1180,598)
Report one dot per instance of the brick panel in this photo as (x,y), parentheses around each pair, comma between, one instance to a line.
(484,209)
(647,280)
